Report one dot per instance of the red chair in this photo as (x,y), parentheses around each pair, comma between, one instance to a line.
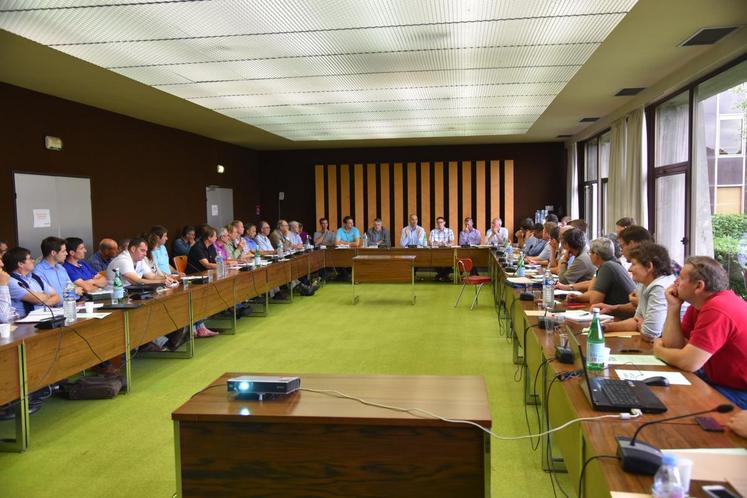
(464,265)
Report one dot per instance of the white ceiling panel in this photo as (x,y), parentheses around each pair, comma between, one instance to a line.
(338,68)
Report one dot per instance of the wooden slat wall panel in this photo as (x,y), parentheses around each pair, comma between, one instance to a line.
(425,196)
(319,190)
(359,216)
(508,167)
(453,220)
(334,220)
(412,189)
(480,188)
(344,191)
(399,218)
(438,190)
(379,190)
(466,191)
(495,191)
(386,217)
(373,212)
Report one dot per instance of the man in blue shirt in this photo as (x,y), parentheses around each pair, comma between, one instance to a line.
(412,234)
(108,248)
(80,272)
(347,234)
(54,252)
(27,291)
(534,244)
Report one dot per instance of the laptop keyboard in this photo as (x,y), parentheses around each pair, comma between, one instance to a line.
(619,392)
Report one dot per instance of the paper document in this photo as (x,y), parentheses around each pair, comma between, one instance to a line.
(635,359)
(560,292)
(37,316)
(583,316)
(675,378)
(631,333)
(98,316)
(95,305)
(520,280)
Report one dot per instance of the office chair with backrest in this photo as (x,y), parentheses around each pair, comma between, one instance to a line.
(464,265)
(180,262)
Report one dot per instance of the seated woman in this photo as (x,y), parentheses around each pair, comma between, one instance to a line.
(223,244)
(79,271)
(575,265)
(201,258)
(612,283)
(650,266)
(158,253)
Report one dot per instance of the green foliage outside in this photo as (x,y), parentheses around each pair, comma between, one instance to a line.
(728,230)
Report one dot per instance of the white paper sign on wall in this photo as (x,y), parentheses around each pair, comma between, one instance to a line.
(42,218)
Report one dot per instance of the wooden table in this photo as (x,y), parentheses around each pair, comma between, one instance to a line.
(315,444)
(391,269)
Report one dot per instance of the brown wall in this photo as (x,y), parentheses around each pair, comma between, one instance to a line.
(141,173)
(538,169)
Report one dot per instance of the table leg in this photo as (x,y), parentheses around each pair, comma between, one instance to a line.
(21,441)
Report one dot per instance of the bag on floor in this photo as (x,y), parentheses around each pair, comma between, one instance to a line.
(94,388)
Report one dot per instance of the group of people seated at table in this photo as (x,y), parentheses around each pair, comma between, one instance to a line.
(695,322)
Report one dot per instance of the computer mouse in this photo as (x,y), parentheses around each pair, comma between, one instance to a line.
(656,381)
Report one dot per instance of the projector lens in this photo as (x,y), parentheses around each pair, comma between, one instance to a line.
(243,386)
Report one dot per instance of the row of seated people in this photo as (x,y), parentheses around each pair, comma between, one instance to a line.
(694,321)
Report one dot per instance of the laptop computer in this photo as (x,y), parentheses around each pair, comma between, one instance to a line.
(614,395)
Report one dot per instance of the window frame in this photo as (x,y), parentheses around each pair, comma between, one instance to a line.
(601,207)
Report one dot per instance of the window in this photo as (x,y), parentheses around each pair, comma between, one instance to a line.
(671,175)
(596,171)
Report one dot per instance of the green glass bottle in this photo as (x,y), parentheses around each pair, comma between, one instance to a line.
(595,343)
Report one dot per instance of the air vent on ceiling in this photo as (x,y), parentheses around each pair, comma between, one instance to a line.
(588,120)
(564,136)
(708,36)
(627,92)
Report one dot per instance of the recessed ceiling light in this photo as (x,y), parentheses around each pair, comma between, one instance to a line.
(708,36)
(588,120)
(627,92)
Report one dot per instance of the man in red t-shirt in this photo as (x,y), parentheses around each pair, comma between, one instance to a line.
(713,333)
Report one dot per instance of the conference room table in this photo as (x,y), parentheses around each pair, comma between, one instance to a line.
(315,442)
(560,401)
(31,359)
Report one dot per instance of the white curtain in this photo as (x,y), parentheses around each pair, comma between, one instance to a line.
(701,228)
(572,182)
(627,176)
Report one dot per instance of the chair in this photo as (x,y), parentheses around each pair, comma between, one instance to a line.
(465,266)
(180,262)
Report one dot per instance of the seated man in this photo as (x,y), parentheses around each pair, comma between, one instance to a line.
(108,249)
(378,236)
(347,235)
(280,236)
(324,236)
(201,258)
(28,291)
(184,242)
(80,272)
(497,234)
(132,268)
(469,236)
(413,235)
(524,231)
(581,267)
(294,235)
(441,236)
(54,253)
(534,245)
(6,307)
(543,258)
(612,283)
(264,244)
(249,236)
(3,248)
(239,245)
(711,339)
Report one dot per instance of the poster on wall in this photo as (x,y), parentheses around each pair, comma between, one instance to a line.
(42,218)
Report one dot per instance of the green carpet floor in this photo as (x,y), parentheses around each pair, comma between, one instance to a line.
(124,447)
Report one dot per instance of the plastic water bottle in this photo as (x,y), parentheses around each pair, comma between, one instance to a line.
(69,305)
(510,254)
(221,266)
(667,482)
(117,288)
(257,257)
(365,240)
(280,250)
(520,268)
(548,290)
(595,343)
